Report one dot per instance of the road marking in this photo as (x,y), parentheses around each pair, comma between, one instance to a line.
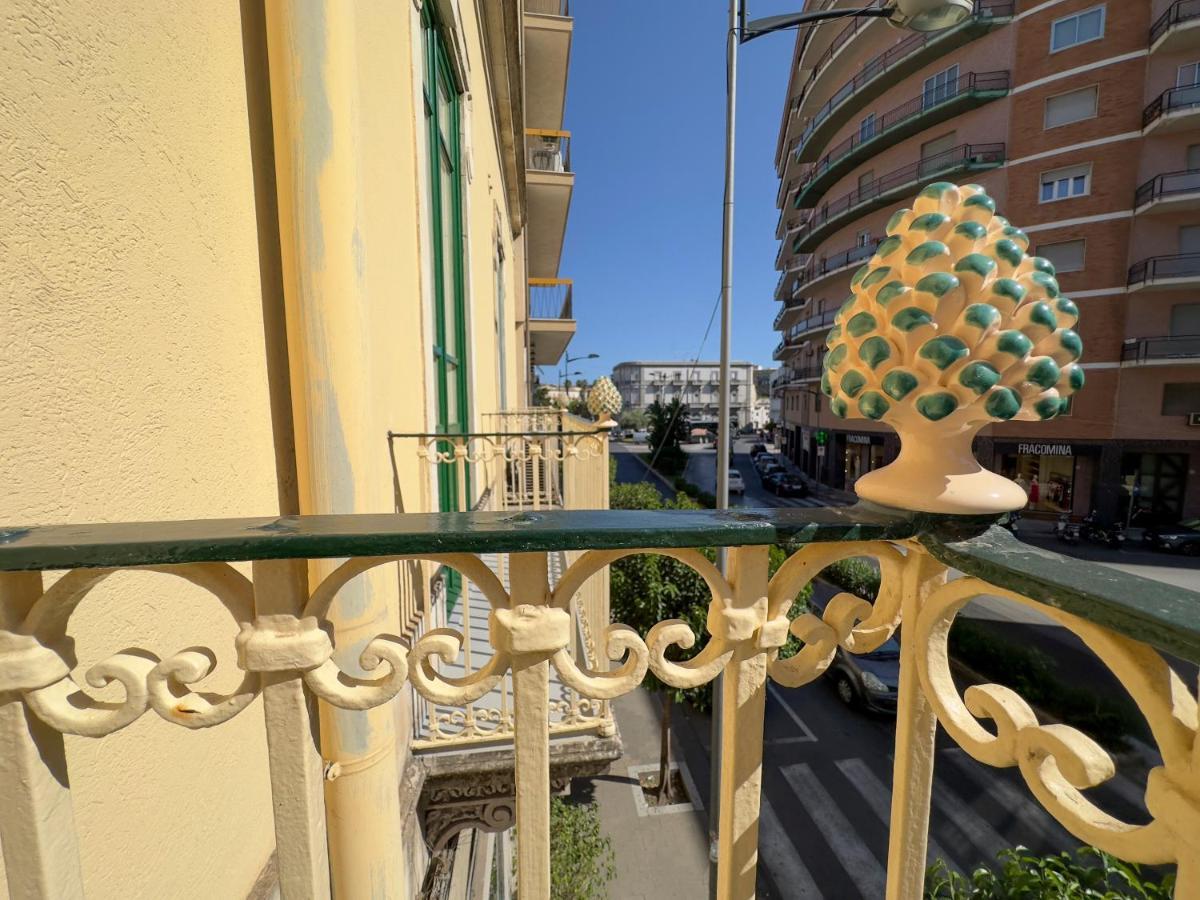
(985,838)
(781,857)
(878,798)
(806,735)
(1028,812)
(843,838)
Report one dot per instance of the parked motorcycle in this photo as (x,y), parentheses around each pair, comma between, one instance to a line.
(1012,522)
(1110,535)
(1066,530)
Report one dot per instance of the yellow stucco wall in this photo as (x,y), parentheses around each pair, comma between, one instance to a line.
(133,387)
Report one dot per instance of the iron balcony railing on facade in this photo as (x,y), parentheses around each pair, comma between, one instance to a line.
(819,267)
(1164,268)
(818,322)
(789,305)
(1167,185)
(972,86)
(1178,12)
(547,150)
(877,65)
(1143,350)
(550,298)
(1171,100)
(878,192)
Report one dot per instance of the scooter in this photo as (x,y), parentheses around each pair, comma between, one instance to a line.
(1111,537)
(1011,522)
(1066,530)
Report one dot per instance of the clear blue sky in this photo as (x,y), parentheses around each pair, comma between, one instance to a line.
(646,109)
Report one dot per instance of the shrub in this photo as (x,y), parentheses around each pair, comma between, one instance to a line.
(1089,874)
(581,856)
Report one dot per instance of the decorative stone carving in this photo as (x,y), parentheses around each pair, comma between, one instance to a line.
(951,326)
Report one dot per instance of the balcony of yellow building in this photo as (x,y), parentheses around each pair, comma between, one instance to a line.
(551,319)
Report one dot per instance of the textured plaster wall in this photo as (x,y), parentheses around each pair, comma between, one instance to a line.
(133,387)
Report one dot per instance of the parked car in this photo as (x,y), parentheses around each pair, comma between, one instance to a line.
(641,437)
(1178,537)
(763,460)
(736,484)
(864,680)
(785,484)
(772,471)
(757,449)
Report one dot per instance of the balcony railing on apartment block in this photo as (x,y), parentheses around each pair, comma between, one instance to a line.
(285,650)
(1164,268)
(789,305)
(1171,100)
(1166,186)
(550,298)
(1145,350)
(908,116)
(548,7)
(819,267)
(877,193)
(1178,12)
(876,66)
(547,150)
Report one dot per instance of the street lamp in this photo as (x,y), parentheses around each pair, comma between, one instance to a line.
(914,15)
(567,360)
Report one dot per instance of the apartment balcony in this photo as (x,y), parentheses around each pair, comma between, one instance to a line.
(531,572)
(1165,273)
(549,183)
(1161,351)
(923,111)
(803,332)
(1175,109)
(884,71)
(1168,193)
(792,307)
(965,159)
(822,268)
(548,30)
(551,319)
(1177,29)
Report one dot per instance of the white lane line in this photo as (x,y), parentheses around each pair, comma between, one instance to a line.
(985,838)
(878,798)
(781,857)
(843,838)
(806,734)
(1027,811)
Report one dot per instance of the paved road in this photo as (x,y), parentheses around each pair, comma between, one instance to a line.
(630,469)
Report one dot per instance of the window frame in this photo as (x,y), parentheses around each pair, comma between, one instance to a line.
(1042,180)
(1103,9)
(1046,126)
(1083,256)
(927,92)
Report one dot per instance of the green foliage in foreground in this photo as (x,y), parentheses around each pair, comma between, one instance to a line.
(581,856)
(1089,874)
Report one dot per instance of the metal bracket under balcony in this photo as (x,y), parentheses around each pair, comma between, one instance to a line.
(1175,109)
(923,111)
(1161,351)
(885,70)
(895,185)
(1164,273)
(1177,29)
(1168,193)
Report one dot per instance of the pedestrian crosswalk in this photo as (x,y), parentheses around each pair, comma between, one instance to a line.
(824,823)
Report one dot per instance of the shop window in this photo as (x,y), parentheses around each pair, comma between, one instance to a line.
(1154,486)
(1063,184)
(1080,28)
(1048,479)
(1073,106)
(1067,256)
(1181,398)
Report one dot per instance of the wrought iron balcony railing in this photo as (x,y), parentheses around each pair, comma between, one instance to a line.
(286,653)
(547,150)
(1171,100)
(1139,351)
(1178,267)
(912,115)
(878,193)
(819,267)
(789,305)
(1167,186)
(1178,12)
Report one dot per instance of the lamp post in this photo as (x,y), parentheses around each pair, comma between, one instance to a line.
(914,15)
(567,360)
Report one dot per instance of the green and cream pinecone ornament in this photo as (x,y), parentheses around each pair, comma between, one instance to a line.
(951,326)
(604,400)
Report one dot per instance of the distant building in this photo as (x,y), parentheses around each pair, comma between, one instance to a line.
(641,382)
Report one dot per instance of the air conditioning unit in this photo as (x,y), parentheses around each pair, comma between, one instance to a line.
(1194,418)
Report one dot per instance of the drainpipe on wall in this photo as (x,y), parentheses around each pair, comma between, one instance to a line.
(313,81)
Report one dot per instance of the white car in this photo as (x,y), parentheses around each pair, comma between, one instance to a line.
(641,437)
(736,484)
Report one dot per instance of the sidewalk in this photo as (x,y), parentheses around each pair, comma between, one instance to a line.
(672,842)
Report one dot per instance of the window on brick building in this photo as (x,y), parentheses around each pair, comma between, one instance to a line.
(1073,106)
(1077,29)
(940,87)
(864,182)
(1180,399)
(1189,238)
(1192,158)
(1067,256)
(1063,184)
(1188,75)
(1185,319)
(866,128)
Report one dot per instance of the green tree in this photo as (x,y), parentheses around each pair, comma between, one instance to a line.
(634,419)
(581,855)
(541,395)
(578,407)
(668,431)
